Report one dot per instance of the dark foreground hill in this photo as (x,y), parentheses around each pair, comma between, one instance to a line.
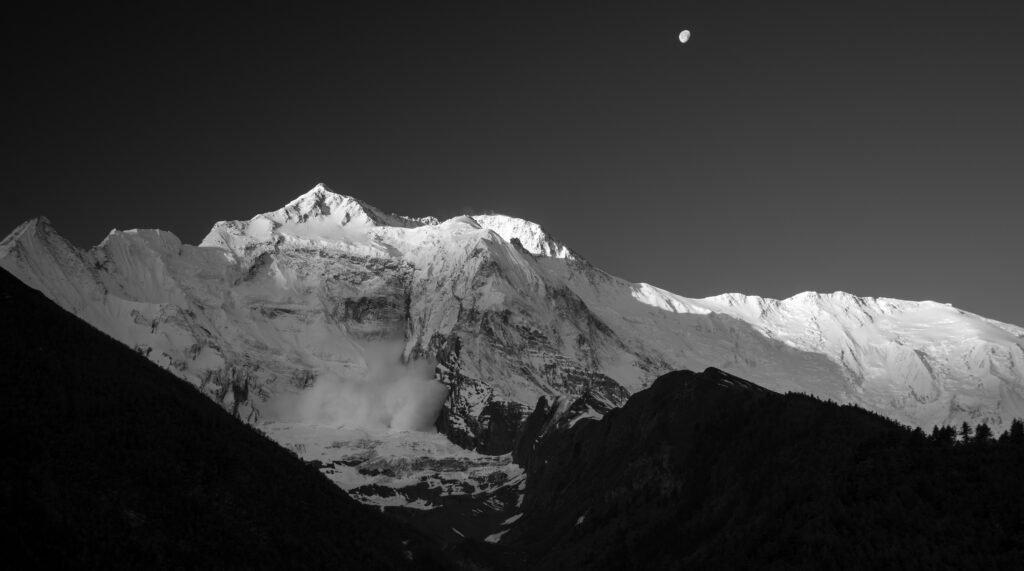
(708,471)
(110,462)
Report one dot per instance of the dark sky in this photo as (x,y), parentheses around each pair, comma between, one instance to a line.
(876,148)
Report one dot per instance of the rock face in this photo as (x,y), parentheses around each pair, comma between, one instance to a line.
(264,308)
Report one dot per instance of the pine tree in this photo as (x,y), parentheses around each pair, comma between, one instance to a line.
(982,434)
(944,435)
(1016,432)
(966,432)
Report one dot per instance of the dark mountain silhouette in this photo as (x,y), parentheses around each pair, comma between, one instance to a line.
(111,462)
(708,471)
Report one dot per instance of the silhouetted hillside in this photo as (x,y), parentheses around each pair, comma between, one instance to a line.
(109,462)
(708,471)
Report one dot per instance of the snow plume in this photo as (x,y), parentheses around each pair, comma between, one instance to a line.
(391,395)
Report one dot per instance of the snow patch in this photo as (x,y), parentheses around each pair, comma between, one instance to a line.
(495,537)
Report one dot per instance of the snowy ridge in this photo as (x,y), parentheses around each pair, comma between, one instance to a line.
(530,235)
(930,361)
(320,203)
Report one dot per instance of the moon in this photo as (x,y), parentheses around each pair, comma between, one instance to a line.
(684,36)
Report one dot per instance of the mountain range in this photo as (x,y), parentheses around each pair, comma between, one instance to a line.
(472,320)
(479,380)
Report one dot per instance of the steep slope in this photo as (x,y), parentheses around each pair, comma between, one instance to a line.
(709,471)
(265,309)
(111,462)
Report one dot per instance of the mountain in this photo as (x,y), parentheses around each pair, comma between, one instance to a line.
(111,462)
(710,471)
(474,319)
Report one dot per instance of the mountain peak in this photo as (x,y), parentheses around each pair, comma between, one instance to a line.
(39,223)
(32,229)
(532,237)
(318,200)
(319,214)
(322,214)
(321,202)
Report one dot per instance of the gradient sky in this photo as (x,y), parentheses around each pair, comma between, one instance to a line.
(875,148)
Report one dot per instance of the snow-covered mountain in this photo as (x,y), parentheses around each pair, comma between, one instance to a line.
(331,296)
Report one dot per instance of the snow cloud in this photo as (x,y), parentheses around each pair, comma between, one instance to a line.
(392,395)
